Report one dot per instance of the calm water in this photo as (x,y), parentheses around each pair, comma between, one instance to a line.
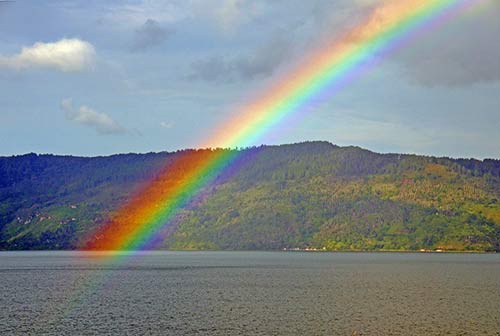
(249,293)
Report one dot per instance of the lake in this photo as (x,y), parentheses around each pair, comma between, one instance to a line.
(249,293)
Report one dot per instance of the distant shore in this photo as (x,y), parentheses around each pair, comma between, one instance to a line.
(292,250)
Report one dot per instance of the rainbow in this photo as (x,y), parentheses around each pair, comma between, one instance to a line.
(135,225)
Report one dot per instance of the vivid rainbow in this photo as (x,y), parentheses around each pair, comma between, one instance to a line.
(135,225)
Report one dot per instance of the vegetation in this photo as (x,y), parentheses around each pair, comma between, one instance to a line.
(308,195)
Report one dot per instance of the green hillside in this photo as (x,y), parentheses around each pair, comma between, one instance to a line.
(308,195)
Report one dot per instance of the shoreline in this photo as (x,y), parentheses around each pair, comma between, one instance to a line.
(274,251)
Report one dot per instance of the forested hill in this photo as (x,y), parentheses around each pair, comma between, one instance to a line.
(307,195)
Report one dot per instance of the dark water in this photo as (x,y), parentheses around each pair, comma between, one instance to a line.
(249,293)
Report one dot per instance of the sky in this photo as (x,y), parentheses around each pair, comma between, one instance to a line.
(104,77)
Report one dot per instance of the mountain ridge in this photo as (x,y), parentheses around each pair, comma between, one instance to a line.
(486,159)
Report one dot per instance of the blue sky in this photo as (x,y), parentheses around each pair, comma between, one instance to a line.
(104,77)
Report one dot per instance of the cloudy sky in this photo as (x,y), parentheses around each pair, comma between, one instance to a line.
(101,77)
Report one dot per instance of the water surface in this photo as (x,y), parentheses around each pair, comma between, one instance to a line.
(249,293)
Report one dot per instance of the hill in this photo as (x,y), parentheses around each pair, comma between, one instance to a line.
(307,195)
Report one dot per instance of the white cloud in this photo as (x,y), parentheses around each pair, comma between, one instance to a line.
(166,124)
(84,115)
(64,55)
